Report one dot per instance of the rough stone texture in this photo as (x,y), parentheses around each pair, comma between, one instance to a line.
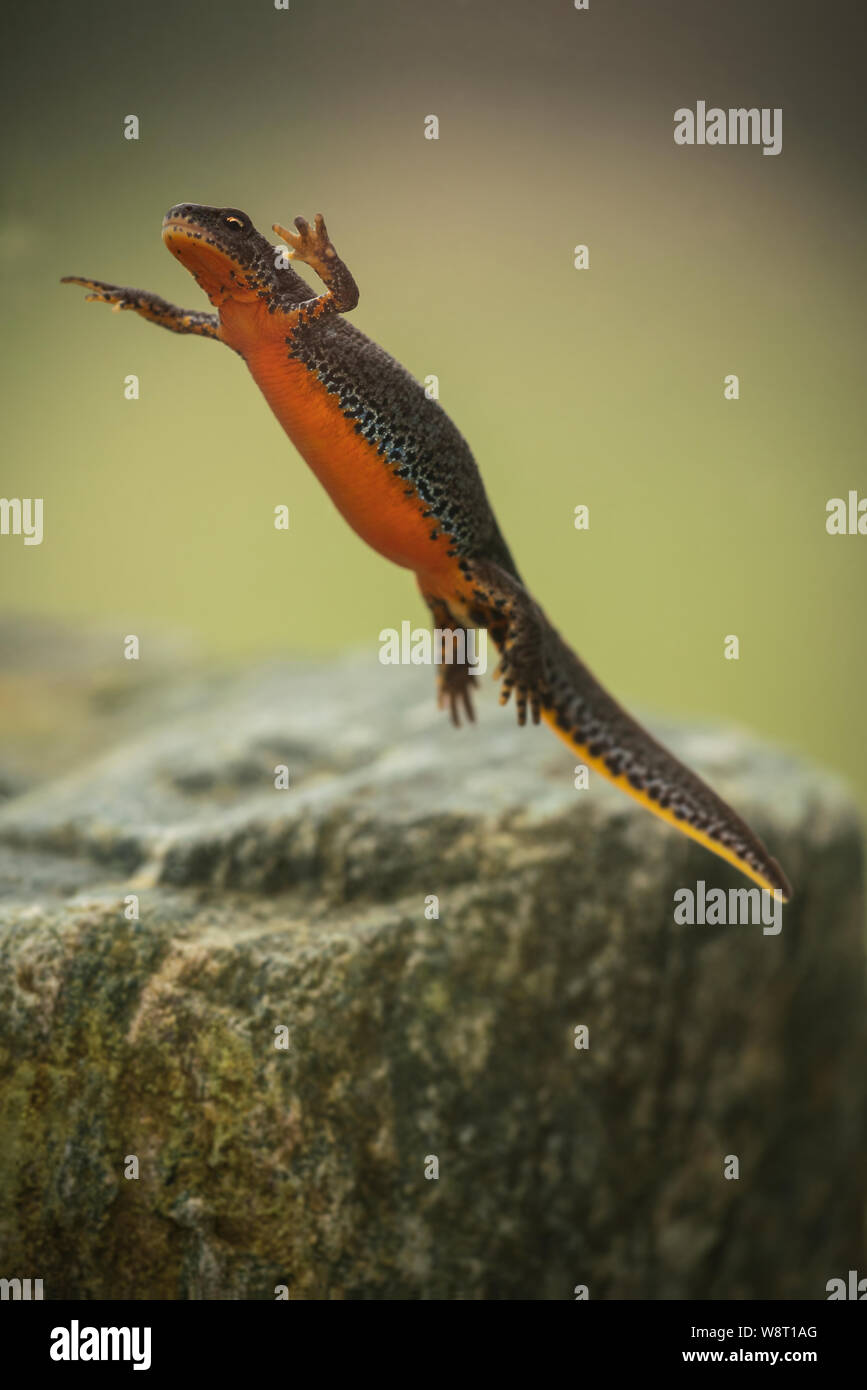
(408,1037)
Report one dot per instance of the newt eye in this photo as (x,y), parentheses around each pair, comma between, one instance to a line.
(233,222)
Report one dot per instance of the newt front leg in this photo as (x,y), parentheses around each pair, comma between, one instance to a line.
(150,307)
(314,247)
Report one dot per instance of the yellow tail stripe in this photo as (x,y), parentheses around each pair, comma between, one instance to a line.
(619,780)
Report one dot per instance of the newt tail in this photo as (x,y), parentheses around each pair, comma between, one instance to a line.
(404,478)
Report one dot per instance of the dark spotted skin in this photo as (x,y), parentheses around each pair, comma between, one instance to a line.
(405,479)
(410,432)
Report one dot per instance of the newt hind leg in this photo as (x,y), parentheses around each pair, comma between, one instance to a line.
(519,629)
(455,679)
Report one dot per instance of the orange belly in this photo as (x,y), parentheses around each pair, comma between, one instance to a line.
(357,479)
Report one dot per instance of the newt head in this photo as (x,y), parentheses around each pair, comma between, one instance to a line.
(225,254)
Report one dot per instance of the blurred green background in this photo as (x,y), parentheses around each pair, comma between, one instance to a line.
(603,387)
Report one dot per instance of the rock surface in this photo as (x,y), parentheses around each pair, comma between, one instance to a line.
(409,1037)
